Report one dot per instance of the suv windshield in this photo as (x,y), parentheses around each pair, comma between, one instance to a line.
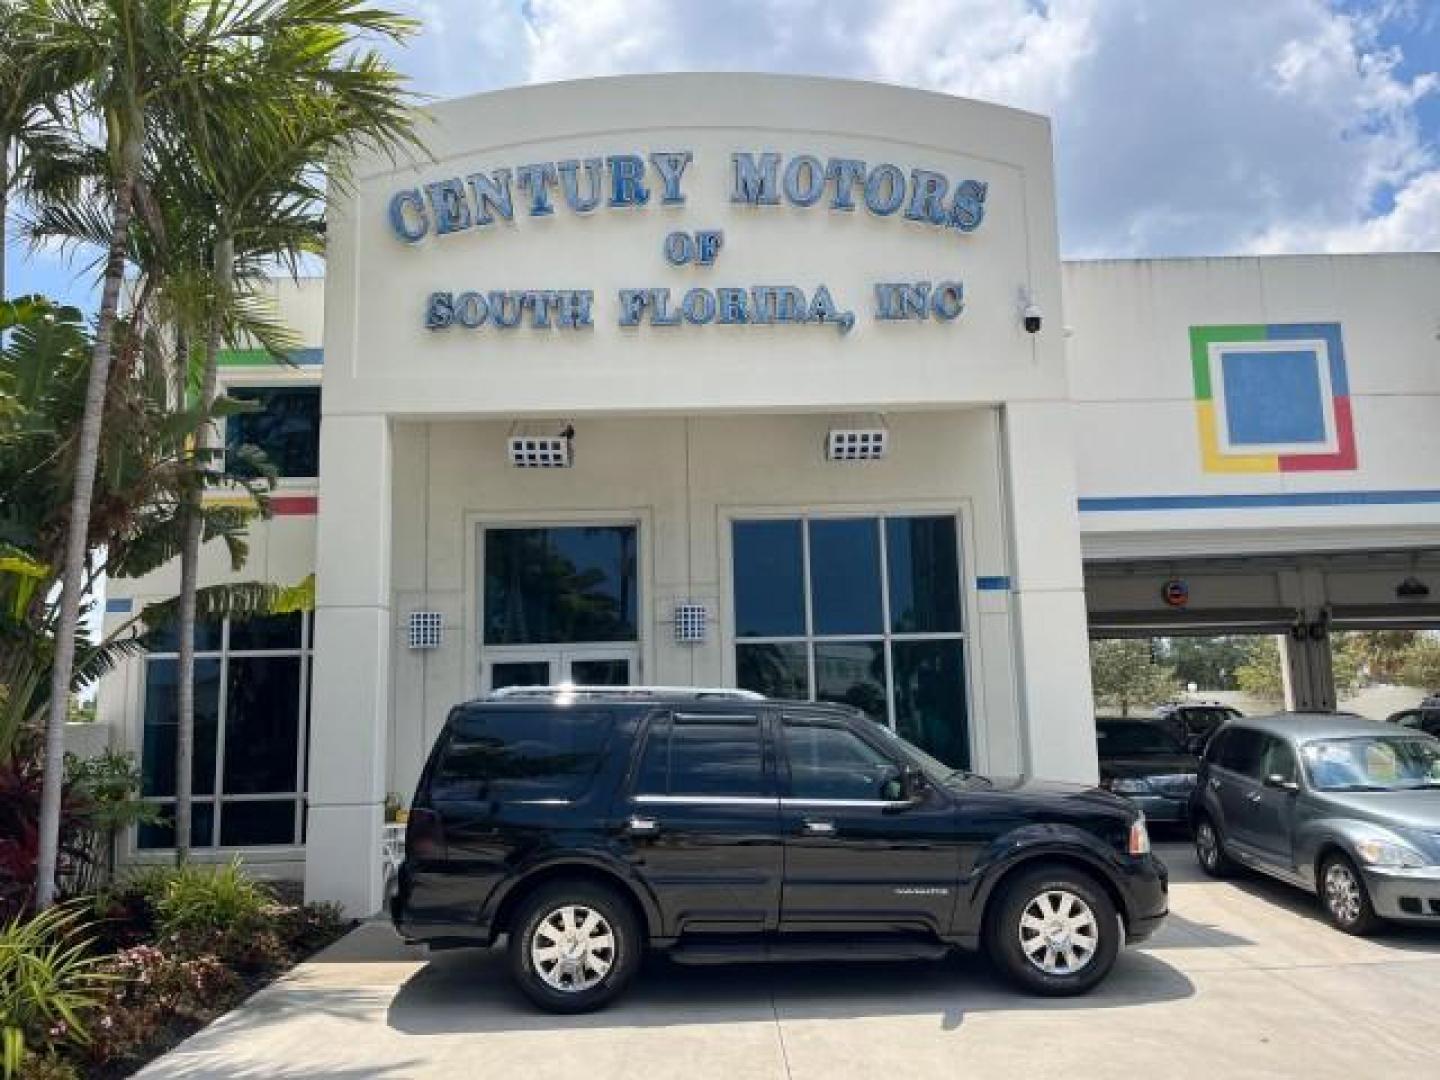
(1134,738)
(935,771)
(1373,763)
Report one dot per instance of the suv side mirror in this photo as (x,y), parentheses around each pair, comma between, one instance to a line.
(1281,783)
(912,784)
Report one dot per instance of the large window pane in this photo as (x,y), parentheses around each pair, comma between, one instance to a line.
(165,639)
(269,632)
(158,742)
(253,823)
(161,834)
(553,586)
(852,673)
(777,671)
(924,574)
(286,428)
(262,724)
(930,698)
(769,579)
(845,576)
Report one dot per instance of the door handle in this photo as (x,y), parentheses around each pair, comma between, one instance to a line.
(1214,783)
(818,828)
(642,826)
(1253,796)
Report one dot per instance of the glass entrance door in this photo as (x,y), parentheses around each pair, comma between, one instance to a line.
(592,666)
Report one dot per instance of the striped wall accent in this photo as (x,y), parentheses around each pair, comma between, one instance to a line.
(280,505)
(252,358)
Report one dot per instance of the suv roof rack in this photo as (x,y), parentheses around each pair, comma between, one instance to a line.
(692,693)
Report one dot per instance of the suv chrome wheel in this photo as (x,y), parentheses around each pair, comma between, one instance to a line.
(572,948)
(1058,932)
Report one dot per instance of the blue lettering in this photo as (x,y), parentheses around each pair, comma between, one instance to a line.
(845,172)
(440,311)
(806,191)
(537,180)
(968,208)
(573,308)
(679,248)
(471,309)
(660,313)
(492,193)
(927,196)
(670,164)
(404,228)
(948,300)
(709,243)
(570,184)
(627,171)
(884,190)
(632,305)
(506,309)
(448,202)
(699,307)
(732,305)
(755,181)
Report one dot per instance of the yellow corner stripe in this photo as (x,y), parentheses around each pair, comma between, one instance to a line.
(1213,461)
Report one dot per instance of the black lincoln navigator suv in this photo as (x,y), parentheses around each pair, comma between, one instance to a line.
(589,824)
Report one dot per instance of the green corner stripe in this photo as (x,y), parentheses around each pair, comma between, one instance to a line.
(261,358)
(1200,340)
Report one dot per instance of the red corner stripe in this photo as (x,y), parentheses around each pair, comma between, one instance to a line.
(294,505)
(1343,459)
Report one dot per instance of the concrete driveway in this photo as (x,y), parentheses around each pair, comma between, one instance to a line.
(1245,980)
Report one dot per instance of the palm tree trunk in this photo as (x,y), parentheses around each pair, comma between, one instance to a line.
(223,270)
(78,525)
(4,213)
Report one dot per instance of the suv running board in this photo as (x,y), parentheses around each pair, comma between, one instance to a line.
(780,951)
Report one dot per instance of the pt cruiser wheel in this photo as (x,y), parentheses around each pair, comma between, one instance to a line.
(573,946)
(1210,849)
(1054,932)
(1342,891)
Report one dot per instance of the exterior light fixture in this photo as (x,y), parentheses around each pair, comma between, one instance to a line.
(690,622)
(1412,588)
(535,451)
(865,440)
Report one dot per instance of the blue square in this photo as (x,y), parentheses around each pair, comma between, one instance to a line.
(1273,398)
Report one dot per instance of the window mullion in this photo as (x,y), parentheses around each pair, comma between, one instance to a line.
(809,608)
(222,704)
(886,624)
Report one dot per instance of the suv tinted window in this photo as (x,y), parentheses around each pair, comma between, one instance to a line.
(1241,751)
(703,755)
(1278,760)
(521,753)
(831,762)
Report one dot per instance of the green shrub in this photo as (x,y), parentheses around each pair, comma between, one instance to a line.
(47,984)
(49,1067)
(205,900)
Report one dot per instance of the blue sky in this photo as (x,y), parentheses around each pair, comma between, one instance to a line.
(1181,126)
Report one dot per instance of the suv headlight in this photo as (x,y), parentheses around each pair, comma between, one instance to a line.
(1129,786)
(1388,853)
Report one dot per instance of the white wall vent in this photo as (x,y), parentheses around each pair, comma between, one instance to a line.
(856,444)
(691,620)
(541,451)
(425,630)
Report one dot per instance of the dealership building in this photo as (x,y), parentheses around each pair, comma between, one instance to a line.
(777,383)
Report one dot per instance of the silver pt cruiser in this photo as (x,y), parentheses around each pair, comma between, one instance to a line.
(1345,808)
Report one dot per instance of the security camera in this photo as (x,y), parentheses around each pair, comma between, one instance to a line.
(1033,318)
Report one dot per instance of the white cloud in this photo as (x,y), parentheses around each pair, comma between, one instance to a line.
(1181,127)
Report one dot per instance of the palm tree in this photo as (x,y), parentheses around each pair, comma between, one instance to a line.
(307,102)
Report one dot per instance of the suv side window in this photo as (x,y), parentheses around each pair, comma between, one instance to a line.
(828,761)
(1241,752)
(521,754)
(1216,747)
(699,754)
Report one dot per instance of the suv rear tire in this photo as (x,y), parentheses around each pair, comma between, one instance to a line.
(574,946)
(1055,932)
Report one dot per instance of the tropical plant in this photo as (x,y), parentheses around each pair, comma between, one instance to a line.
(20,787)
(210,899)
(48,982)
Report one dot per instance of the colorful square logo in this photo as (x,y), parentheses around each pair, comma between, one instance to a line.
(1272,398)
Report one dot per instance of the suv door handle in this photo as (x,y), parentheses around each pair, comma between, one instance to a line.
(1214,783)
(818,828)
(642,826)
(1253,796)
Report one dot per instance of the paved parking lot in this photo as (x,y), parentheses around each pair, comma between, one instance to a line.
(1245,980)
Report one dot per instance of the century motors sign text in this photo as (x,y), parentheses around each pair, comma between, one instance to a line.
(583,186)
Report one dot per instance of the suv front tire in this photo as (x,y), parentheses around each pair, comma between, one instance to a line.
(574,946)
(1055,932)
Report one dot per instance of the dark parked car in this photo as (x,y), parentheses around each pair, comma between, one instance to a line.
(1424,717)
(1340,806)
(589,824)
(1191,723)
(1142,762)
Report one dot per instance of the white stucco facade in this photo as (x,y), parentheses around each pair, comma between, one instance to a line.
(1056,454)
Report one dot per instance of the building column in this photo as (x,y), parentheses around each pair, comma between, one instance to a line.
(1052,645)
(350,696)
(1307,668)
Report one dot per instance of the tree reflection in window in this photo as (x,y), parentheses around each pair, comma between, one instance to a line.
(561,585)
